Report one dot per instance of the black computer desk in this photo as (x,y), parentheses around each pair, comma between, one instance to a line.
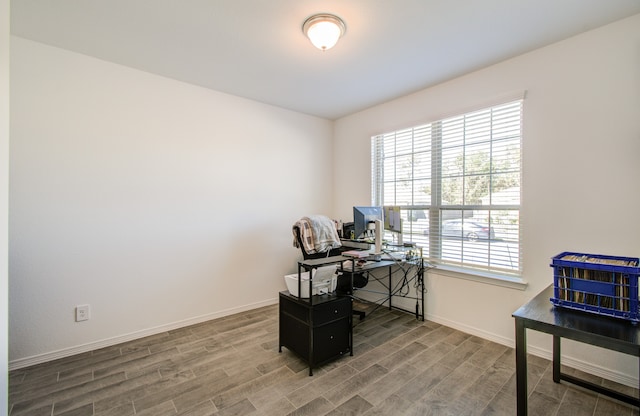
(606,332)
(391,290)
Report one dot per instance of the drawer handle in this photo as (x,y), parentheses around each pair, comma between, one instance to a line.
(336,311)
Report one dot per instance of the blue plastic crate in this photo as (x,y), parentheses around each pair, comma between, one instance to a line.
(605,285)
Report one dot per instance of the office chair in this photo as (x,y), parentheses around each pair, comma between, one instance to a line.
(343,287)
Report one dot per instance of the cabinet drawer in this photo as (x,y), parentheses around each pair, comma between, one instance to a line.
(331,340)
(331,311)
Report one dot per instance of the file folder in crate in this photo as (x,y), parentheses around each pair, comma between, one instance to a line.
(605,285)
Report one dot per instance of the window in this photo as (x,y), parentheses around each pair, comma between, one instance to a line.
(457,181)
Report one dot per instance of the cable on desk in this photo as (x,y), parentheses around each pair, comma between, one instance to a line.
(400,285)
(404,288)
(401,288)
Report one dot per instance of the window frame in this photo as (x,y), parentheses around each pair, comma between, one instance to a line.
(435,207)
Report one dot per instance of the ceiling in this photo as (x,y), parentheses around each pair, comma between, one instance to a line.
(256,49)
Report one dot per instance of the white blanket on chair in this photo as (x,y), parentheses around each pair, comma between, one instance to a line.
(318,234)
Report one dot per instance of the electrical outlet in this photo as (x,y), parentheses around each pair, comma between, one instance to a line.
(82,313)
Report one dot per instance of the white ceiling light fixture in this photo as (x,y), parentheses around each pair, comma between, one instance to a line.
(324,30)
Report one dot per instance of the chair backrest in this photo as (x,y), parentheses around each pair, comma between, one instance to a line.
(307,256)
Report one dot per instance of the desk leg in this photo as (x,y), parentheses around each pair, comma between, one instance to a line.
(421,283)
(390,292)
(521,368)
(556,359)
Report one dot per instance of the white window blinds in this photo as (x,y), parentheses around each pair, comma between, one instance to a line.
(458,183)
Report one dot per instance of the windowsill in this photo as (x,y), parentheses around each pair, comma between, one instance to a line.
(480,276)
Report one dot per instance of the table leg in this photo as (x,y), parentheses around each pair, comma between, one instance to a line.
(556,359)
(521,368)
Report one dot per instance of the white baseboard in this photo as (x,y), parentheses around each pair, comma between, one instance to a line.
(568,361)
(472,330)
(67,352)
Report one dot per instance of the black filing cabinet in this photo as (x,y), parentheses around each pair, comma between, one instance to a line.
(318,329)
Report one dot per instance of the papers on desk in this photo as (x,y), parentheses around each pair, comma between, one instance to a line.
(359,254)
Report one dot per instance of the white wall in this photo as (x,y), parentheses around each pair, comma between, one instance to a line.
(580,171)
(4,198)
(156,202)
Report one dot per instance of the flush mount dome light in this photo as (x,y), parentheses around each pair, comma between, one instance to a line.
(324,30)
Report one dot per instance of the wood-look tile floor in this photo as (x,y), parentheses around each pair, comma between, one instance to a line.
(231,366)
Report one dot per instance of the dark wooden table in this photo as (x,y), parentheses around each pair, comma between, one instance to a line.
(606,332)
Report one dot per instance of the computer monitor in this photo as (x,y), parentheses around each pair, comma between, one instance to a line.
(392,221)
(362,217)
